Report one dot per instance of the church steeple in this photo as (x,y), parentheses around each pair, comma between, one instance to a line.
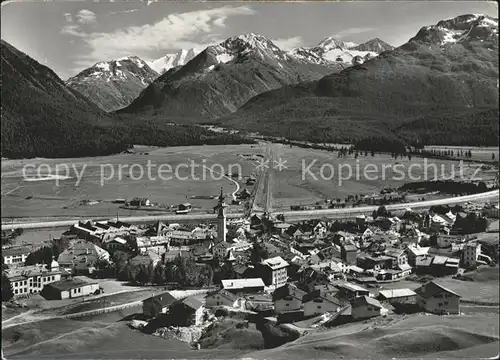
(221,218)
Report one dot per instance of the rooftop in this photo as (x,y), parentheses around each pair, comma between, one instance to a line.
(275,263)
(429,289)
(164,299)
(395,293)
(74,283)
(234,284)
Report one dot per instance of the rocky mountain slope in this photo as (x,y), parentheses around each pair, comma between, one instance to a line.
(113,84)
(43,117)
(448,71)
(223,77)
(169,61)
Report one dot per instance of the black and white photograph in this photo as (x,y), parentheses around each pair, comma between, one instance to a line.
(254,180)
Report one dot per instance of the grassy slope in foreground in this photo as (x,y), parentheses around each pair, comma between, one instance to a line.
(413,336)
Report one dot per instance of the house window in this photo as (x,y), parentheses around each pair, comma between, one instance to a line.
(369,308)
(319,306)
(446,302)
(440,304)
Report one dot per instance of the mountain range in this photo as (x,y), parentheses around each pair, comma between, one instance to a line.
(114,84)
(43,117)
(223,77)
(440,87)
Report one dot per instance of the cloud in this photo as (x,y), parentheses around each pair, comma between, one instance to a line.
(175,31)
(352,31)
(68,17)
(86,17)
(289,43)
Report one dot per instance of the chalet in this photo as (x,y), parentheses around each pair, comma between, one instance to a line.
(223,298)
(349,291)
(392,223)
(364,307)
(187,312)
(185,207)
(243,286)
(157,305)
(139,202)
(349,253)
(341,237)
(437,299)
(70,288)
(117,243)
(492,211)
(15,256)
(318,302)
(243,271)
(222,249)
(309,278)
(399,296)
(287,298)
(320,230)
(273,271)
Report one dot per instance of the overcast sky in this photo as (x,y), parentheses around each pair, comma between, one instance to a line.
(69,36)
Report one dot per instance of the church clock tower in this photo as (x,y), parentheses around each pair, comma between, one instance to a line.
(221,218)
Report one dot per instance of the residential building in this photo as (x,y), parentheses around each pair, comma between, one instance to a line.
(157,304)
(349,253)
(320,230)
(364,307)
(273,271)
(415,252)
(399,256)
(117,243)
(398,296)
(187,312)
(81,257)
(70,288)
(287,298)
(15,256)
(31,279)
(349,291)
(243,286)
(437,299)
(377,262)
(223,298)
(492,211)
(222,249)
(318,302)
(471,252)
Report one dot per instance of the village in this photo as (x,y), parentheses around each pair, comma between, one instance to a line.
(316,273)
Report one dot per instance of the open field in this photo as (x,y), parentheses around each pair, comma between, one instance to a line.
(412,336)
(366,175)
(292,185)
(34,199)
(483,153)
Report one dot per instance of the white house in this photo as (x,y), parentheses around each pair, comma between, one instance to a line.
(364,307)
(471,252)
(437,299)
(15,256)
(318,302)
(223,298)
(70,288)
(31,279)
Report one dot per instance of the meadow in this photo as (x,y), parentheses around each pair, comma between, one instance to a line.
(40,193)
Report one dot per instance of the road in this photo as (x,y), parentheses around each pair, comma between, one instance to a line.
(366,210)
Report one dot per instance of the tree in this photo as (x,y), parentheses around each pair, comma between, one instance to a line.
(159,277)
(7,291)
(493,156)
(142,276)
(258,253)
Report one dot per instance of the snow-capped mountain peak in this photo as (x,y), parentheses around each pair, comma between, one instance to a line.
(331,43)
(172,60)
(460,29)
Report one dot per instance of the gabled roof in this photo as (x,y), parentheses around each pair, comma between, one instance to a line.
(365,300)
(288,290)
(431,288)
(15,251)
(224,293)
(74,283)
(318,294)
(192,302)
(163,299)
(395,293)
(236,284)
(351,287)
